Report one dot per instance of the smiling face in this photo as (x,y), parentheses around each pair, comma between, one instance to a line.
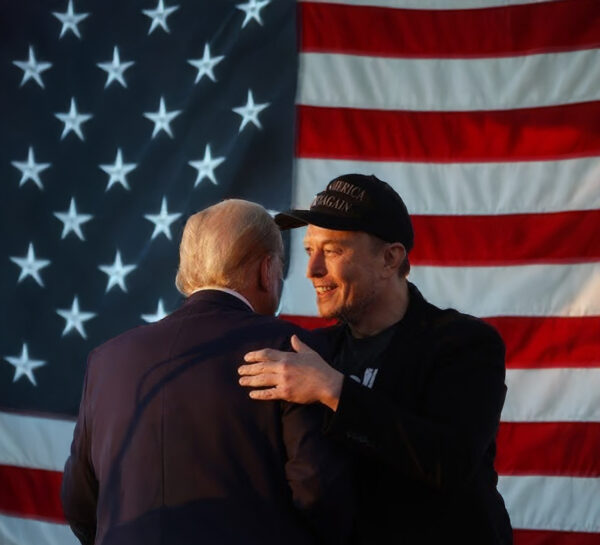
(345,269)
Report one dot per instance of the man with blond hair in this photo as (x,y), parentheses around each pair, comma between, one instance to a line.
(168,450)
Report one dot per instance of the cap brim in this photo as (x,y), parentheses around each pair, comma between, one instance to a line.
(298,218)
(291,219)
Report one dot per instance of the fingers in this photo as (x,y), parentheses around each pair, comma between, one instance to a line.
(255,376)
(264,395)
(258,368)
(266,354)
(263,379)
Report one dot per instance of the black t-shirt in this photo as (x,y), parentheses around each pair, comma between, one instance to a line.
(359,358)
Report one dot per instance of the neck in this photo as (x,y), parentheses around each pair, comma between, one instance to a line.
(236,293)
(385,310)
(257,299)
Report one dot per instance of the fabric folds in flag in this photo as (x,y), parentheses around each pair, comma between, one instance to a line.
(485,117)
(120,120)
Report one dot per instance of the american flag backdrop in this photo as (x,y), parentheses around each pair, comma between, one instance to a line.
(119,119)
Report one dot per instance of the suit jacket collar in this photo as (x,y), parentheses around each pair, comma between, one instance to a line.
(227,290)
(216,297)
(417,314)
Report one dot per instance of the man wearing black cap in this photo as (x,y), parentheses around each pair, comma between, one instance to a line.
(414,390)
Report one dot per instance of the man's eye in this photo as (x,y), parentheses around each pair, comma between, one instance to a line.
(308,250)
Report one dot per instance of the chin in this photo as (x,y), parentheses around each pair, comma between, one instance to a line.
(328,313)
(347,314)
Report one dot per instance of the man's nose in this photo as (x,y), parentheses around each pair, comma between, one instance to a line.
(316,266)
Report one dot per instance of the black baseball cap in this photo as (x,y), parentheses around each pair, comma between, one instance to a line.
(356,202)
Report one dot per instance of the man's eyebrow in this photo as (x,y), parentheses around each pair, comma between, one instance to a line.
(342,242)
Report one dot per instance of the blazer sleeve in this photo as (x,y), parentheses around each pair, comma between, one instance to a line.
(443,443)
(319,470)
(319,474)
(79,491)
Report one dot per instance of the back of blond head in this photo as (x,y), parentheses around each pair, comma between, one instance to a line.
(220,244)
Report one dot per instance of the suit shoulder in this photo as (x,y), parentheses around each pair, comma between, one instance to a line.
(125,337)
(285,329)
(143,337)
(328,332)
(452,324)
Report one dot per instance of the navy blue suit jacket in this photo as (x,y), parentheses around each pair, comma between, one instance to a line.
(169,449)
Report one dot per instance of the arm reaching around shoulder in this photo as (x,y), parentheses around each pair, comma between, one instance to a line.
(302,376)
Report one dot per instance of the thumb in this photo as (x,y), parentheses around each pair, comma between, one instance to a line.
(298,345)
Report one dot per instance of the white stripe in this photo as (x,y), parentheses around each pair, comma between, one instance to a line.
(552,395)
(430,4)
(552,503)
(525,290)
(467,188)
(28,441)
(18,531)
(349,81)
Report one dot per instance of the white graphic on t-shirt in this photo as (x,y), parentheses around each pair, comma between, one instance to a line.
(368,377)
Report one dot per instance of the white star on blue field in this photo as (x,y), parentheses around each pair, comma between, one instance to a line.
(125,119)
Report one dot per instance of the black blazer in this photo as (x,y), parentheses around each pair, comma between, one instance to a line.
(426,431)
(169,449)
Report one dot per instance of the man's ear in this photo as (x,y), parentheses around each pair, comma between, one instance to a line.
(265,271)
(393,256)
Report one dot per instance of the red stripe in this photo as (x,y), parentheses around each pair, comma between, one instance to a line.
(549,537)
(531,342)
(549,448)
(499,31)
(535,342)
(31,493)
(507,239)
(35,493)
(307,322)
(552,132)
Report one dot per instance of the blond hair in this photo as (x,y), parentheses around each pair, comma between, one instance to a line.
(220,243)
